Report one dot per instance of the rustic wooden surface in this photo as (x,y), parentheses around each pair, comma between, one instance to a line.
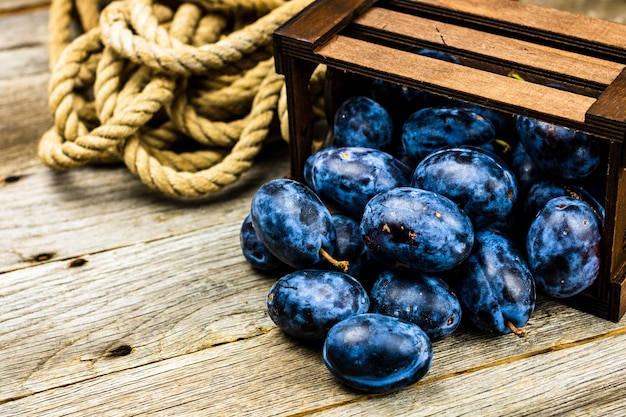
(118,301)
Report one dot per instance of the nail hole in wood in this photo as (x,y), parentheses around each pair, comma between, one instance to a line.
(43,257)
(74,263)
(121,350)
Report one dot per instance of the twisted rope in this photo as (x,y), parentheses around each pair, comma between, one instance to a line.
(183,95)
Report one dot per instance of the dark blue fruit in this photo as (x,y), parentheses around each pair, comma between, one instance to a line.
(433,128)
(494,285)
(254,251)
(377,353)
(414,229)
(525,169)
(500,121)
(311,161)
(423,299)
(558,151)
(349,245)
(346,178)
(477,180)
(361,121)
(563,245)
(307,303)
(543,191)
(292,222)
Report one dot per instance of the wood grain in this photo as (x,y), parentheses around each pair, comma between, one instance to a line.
(162,299)
(53,213)
(117,301)
(24,30)
(270,375)
(21,6)
(520,19)
(514,54)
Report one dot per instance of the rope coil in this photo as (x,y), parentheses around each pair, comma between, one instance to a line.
(183,93)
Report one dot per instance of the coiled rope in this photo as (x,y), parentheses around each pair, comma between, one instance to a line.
(184,93)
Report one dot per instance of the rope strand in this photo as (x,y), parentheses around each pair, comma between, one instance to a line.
(183,93)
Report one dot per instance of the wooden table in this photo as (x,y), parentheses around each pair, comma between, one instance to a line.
(118,301)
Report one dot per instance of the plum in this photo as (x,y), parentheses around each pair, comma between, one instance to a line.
(563,246)
(414,229)
(377,353)
(307,303)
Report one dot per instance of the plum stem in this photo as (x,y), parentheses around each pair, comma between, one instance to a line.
(342,265)
(506,146)
(516,331)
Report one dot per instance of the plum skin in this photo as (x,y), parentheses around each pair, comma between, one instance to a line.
(307,303)
(563,246)
(294,224)
(423,299)
(376,353)
(414,229)
(361,121)
(433,128)
(495,285)
(475,179)
(348,177)
(253,250)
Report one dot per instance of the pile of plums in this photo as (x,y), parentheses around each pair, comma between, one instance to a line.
(422,212)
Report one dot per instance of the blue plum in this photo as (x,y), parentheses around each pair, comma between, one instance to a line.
(308,171)
(423,299)
(349,245)
(346,178)
(558,151)
(414,229)
(432,53)
(376,353)
(307,303)
(495,286)
(292,222)
(563,247)
(477,180)
(433,128)
(543,191)
(501,121)
(361,121)
(253,250)
(524,168)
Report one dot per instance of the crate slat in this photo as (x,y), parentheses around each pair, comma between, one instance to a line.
(522,56)
(522,20)
(465,83)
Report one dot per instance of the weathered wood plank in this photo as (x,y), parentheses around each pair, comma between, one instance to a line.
(8,6)
(24,114)
(24,117)
(74,213)
(24,30)
(614,10)
(523,19)
(178,295)
(520,55)
(61,324)
(24,45)
(545,385)
(268,375)
(165,317)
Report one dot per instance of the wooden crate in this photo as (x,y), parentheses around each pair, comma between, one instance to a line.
(492,38)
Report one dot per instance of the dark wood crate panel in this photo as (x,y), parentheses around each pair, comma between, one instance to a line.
(492,38)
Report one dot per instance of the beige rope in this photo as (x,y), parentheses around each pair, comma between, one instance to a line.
(183,93)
